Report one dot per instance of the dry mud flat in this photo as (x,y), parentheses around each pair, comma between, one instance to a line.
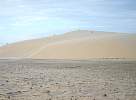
(99,79)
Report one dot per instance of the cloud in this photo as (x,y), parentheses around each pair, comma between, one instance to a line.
(28,20)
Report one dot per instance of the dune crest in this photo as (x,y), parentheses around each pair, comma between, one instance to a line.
(81,44)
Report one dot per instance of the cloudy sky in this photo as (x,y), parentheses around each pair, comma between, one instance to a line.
(25,19)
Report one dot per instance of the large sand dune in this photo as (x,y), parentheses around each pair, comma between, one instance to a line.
(79,44)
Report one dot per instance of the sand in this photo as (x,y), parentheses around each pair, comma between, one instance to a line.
(81,44)
(46,69)
(96,79)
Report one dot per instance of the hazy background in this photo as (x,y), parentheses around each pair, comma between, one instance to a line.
(26,19)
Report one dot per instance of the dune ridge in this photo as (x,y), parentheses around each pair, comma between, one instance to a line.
(80,44)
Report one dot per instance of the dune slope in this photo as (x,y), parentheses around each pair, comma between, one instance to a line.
(81,44)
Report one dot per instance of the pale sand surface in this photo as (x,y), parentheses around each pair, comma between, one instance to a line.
(94,79)
(81,44)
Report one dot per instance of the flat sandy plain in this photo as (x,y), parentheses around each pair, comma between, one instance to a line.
(95,79)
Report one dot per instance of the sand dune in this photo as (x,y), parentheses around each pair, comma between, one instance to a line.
(81,44)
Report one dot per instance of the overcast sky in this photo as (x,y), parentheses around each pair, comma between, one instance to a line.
(25,19)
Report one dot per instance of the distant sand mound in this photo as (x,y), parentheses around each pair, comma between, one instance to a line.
(81,44)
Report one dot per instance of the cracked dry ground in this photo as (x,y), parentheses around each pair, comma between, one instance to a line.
(68,79)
